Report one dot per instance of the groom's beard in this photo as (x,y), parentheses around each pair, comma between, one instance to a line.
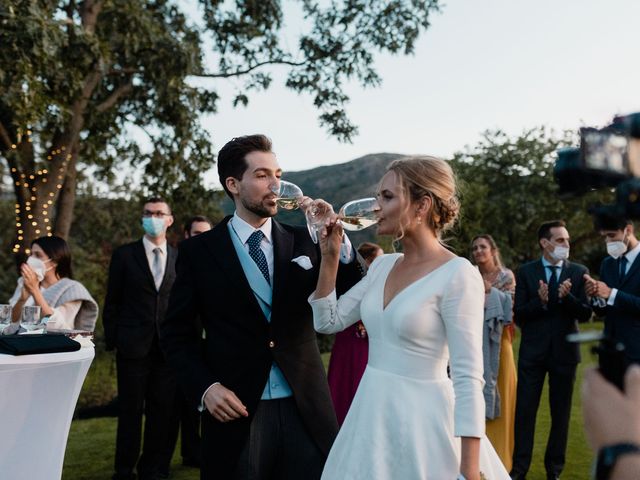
(259,209)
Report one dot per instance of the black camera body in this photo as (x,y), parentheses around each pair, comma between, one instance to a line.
(607,157)
(612,359)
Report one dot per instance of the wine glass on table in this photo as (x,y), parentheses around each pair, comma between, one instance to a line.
(30,319)
(5,316)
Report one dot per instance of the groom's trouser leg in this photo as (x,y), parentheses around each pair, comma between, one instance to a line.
(300,457)
(279,447)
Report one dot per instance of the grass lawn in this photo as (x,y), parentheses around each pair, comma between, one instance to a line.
(91,445)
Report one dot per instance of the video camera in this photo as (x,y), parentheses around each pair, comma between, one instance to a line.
(607,157)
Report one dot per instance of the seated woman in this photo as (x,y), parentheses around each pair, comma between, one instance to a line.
(46,281)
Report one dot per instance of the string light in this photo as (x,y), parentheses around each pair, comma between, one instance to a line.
(29,181)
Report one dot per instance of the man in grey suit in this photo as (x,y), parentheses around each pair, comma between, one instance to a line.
(550,301)
(617,293)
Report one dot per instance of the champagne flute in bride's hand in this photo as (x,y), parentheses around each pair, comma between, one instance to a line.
(359,214)
(289,195)
(317,214)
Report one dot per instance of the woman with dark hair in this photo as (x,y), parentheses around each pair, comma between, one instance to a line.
(350,351)
(45,281)
(501,420)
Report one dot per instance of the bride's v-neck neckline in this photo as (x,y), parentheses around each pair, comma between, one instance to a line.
(409,285)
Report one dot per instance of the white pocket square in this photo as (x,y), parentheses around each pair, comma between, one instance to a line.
(304,262)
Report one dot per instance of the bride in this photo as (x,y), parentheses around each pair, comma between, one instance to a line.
(423,310)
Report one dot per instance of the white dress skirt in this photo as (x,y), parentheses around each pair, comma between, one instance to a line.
(407,416)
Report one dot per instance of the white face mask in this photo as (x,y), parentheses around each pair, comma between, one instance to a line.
(618,247)
(38,267)
(559,253)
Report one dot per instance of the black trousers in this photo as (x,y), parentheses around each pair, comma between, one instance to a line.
(189,426)
(530,382)
(145,386)
(278,446)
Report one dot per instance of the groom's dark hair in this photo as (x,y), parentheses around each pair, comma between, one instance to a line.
(231,158)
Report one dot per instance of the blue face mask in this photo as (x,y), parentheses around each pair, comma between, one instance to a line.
(154,227)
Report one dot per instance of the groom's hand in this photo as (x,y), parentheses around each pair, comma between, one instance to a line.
(223,404)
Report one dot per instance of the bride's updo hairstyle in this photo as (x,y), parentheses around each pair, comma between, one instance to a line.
(431,177)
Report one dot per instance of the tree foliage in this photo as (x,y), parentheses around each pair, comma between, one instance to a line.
(508,190)
(105,86)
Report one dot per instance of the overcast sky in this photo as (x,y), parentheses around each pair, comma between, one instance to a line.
(508,64)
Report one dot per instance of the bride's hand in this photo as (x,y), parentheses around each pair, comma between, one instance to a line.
(331,237)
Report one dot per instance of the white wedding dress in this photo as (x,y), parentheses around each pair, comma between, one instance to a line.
(407,415)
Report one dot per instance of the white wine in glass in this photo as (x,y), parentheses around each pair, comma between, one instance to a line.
(289,195)
(359,214)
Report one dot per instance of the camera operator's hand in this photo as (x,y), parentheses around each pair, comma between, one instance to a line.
(564,288)
(543,292)
(611,416)
(590,286)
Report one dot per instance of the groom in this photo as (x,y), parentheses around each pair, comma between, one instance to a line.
(261,385)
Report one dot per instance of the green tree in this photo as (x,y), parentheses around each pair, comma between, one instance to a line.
(78,79)
(508,190)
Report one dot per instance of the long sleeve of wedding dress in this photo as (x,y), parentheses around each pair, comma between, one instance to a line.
(462,308)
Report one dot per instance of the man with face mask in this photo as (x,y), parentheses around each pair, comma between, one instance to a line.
(549,302)
(141,275)
(616,295)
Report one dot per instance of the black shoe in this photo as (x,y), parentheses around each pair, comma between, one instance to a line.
(191,462)
(122,476)
(553,476)
(517,476)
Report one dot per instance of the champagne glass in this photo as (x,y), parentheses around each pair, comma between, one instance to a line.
(5,316)
(316,215)
(359,214)
(30,317)
(289,195)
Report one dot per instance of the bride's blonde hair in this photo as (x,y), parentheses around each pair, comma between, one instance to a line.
(432,177)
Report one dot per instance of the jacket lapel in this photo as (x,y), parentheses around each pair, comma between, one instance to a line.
(539,273)
(224,255)
(171,260)
(141,257)
(564,272)
(282,255)
(632,270)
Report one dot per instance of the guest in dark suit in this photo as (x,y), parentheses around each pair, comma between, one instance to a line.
(261,380)
(189,417)
(140,278)
(617,294)
(549,302)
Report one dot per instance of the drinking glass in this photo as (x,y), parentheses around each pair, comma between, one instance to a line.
(316,215)
(359,214)
(30,317)
(289,195)
(5,314)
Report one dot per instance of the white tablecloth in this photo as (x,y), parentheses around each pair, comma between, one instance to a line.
(38,394)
